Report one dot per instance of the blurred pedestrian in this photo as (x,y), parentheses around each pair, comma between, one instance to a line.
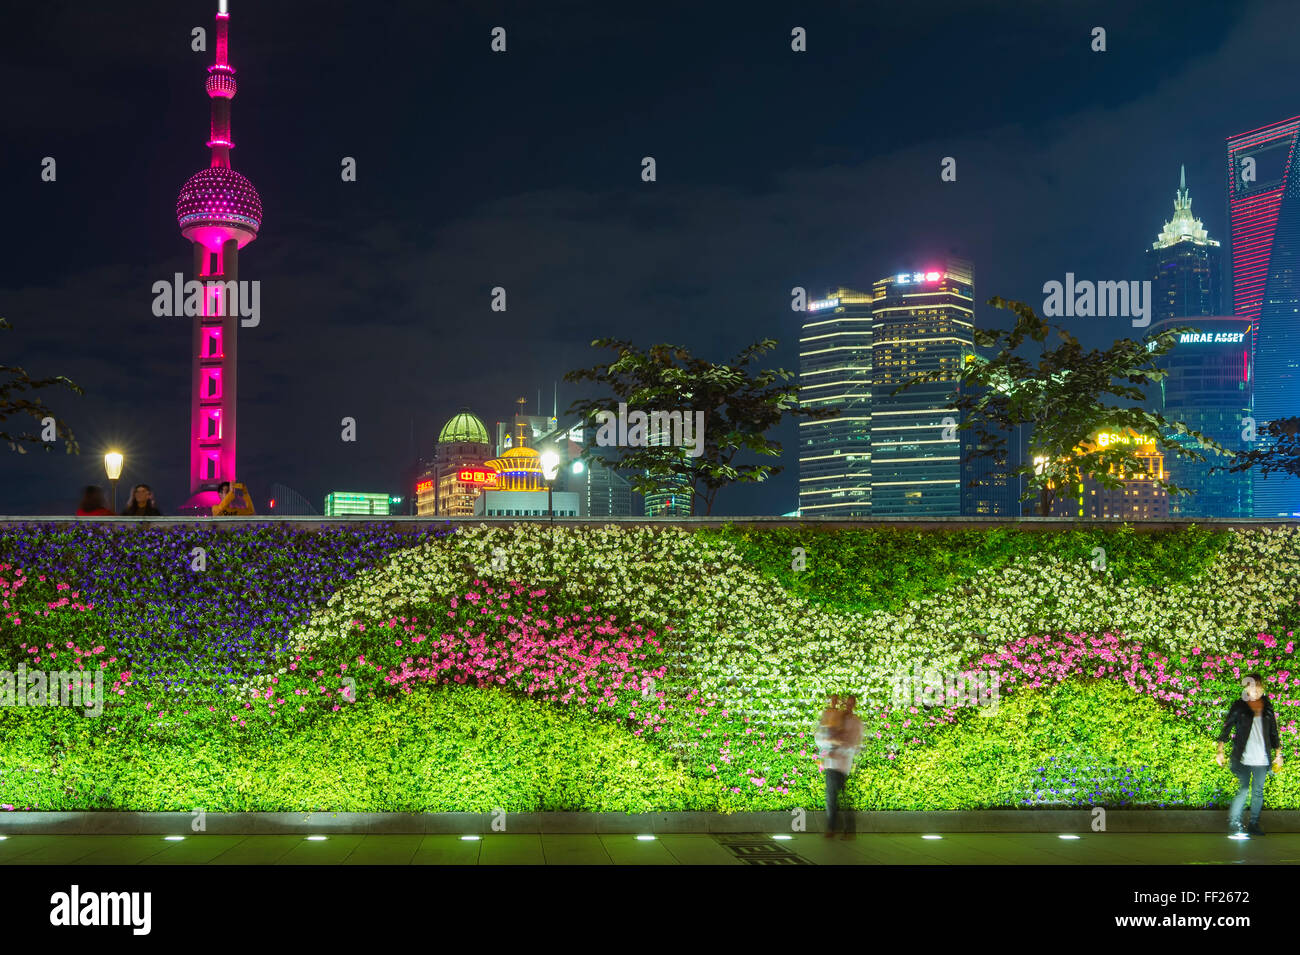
(838,737)
(142,503)
(93,503)
(1256,735)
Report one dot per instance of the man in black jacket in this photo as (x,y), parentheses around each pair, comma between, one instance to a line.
(1256,737)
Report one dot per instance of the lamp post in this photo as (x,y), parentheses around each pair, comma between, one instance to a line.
(550,468)
(113,467)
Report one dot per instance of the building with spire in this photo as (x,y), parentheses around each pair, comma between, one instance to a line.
(1209,381)
(220,212)
(1185,264)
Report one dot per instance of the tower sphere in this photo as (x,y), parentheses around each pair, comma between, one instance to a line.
(217,204)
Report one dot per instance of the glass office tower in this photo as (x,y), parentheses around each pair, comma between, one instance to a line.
(835,372)
(922,321)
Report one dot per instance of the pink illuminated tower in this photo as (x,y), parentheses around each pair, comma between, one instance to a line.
(220,212)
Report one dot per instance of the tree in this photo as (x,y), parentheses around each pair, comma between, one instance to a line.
(1061,399)
(1280,451)
(735,406)
(15,383)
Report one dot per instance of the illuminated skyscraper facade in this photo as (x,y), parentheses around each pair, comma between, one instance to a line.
(1208,388)
(1209,380)
(220,212)
(835,372)
(1185,264)
(1264,207)
(921,322)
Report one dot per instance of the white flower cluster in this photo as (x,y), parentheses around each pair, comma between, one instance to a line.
(748,645)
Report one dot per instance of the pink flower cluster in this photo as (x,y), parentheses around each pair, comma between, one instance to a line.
(9,594)
(1193,685)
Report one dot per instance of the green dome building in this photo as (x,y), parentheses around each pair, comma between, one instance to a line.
(462,443)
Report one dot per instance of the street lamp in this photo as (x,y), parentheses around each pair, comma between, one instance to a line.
(550,468)
(113,467)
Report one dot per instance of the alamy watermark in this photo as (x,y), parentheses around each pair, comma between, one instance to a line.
(683,429)
(1088,299)
(211,298)
(83,688)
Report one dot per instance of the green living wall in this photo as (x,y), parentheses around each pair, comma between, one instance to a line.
(360,668)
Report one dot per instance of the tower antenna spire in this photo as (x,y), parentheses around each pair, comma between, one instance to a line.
(220,212)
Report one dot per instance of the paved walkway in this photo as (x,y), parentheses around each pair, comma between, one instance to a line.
(663,849)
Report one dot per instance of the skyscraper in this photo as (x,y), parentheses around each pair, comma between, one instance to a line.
(921,322)
(220,212)
(1208,386)
(835,372)
(1184,263)
(1264,207)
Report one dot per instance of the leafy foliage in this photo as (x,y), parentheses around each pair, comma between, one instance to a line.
(739,408)
(15,384)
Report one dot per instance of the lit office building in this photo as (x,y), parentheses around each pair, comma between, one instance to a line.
(921,322)
(1209,389)
(835,372)
(344,503)
(1264,205)
(1139,499)
(462,443)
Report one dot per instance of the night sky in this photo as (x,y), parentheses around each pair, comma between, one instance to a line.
(522,170)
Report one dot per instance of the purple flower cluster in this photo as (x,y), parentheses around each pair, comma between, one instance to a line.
(185,628)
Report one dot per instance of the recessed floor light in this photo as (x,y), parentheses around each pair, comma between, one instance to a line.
(316,838)
(1066,835)
(783,838)
(932,837)
(645,838)
(470,838)
(173,838)
(1239,835)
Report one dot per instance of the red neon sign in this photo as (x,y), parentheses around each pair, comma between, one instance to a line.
(423,486)
(479,476)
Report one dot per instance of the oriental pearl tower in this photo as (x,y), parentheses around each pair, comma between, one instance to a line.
(220,212)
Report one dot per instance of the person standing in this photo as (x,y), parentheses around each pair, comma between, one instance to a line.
(142,503)
(1256,736)
(839,736)
(93,503)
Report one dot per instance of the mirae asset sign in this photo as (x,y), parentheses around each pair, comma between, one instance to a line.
(1211,338)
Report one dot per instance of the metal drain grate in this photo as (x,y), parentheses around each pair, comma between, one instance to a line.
(761,850)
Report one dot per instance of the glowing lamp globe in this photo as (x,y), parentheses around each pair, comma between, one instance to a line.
(216,205)
(550,464)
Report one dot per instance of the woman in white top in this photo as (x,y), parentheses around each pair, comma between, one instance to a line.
(1255,723)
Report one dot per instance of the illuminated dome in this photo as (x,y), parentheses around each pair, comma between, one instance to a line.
(464,427)
(519,469)
(218,204)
